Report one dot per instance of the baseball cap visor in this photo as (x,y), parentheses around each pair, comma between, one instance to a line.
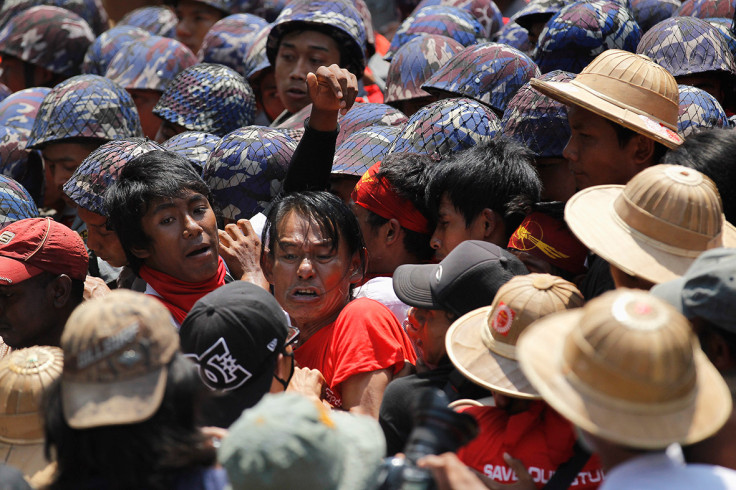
(14,271)
(96,404)
(412,285)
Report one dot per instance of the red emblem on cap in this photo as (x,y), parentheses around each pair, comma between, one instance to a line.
(503,318)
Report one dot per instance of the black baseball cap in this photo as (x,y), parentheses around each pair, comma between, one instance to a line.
(467,279)
(234,335)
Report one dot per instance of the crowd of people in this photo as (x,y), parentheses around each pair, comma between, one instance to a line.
(367,244)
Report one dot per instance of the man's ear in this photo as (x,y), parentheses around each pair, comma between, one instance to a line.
(392,231)
(141,253)
(267,266)
(642,151)
(489,222)
(356,269)
(60,290)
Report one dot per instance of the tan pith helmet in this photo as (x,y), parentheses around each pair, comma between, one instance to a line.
(628,89)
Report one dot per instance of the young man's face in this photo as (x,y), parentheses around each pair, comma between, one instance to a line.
(27,312)
(593,151)
(195,19)
(427,330)
(269,97)
(311,277)
(299,53)
(12,73)
(452,229)
(558,183)
(103,242)
(62,159)
(183,233)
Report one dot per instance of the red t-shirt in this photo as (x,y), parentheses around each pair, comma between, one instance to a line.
(539,437)
(365,337)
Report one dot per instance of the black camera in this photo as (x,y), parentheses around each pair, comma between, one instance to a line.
(437,429)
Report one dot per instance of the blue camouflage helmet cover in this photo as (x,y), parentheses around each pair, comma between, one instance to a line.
(156,20)
(228,40)
(337,18)
(208,97)
(85,106)
(515,36)
(92,11)
(255,60)
(650,12)
(537,121)
(149,64)
(106,46)
(486,11)
(247,169)
(4,91)
(364,148)
(687,45)
(415,62)
(13,154)
(704,9)
(698,110)
(369,114)
(15,202)
(101,168)
(267,9)
(447,126)
(195,146)
(19,109)
(50,37)
(581,31)
(452,22)
(535,9)
(490,73)
(724,27)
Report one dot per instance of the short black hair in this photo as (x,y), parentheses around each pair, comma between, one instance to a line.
(498,175)
(151,176)
(407,174)
(332,216)
(624,135)
(711,151)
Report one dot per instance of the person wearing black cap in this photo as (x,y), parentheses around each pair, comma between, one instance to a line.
(467,279)
(239,338)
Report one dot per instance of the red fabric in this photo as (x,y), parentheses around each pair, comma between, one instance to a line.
(365,337)
(539,437)
(382,44)
(179,296)
(378,196)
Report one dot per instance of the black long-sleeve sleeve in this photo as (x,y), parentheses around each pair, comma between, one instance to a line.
(311,163)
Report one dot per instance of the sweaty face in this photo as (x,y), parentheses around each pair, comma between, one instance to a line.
(593,151)
(311,275)
(195,19)
(103,242)
(27,313)
(183,233)
(300,53)
(145,101)
(427,329)
(62,159)
(451,229)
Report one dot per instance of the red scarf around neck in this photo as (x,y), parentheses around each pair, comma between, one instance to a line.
(179,296)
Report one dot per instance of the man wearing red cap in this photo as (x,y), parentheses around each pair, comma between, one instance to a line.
(43,265)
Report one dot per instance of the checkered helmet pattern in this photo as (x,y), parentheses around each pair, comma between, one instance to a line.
(13,153)
(101,168)
(486,11)
(255,59)
(156,20)
(698,110)
(452,22)
(415,62)
(106,46)
(195,146)
(337,18)
(370,114)
(583,30)
(705,9)
(537,121)
(15,202)
(19,109)
(364,148)
(512,34)
(651,12)
(537,8)
(149,64)
(50,37)
(246,170)
(208,97)
(228,40)
(85,106)
(687,45)
(92,11)
(446,126)
(724,27)
(490,73)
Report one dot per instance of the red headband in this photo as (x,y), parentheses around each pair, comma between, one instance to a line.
(376,195)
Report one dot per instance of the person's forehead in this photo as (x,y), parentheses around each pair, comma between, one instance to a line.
(300,230)
(310,40)
(65,151)
(192,7)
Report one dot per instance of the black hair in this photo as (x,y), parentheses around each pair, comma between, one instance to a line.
(152,176)
(498,175)
(149,454)
(407,174)
(709,329)
(332,216)
(711,151)
(624,135)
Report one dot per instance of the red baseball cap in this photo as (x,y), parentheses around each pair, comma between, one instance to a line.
(31,246)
